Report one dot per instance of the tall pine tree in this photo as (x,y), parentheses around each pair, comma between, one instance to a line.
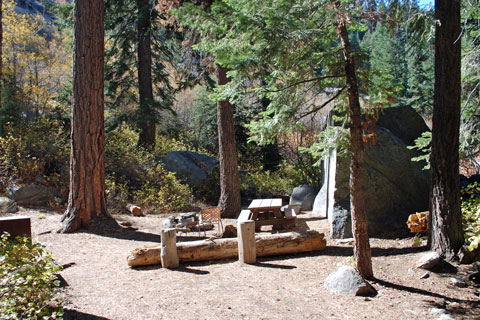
(138,85)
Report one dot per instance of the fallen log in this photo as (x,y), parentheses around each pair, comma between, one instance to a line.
(218,249)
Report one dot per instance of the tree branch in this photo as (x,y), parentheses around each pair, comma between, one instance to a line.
(324,104)
(305,81)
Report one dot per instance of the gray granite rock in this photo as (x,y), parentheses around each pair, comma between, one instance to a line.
(7,205)
(34,195)
(190,167)
(303,195)
(394,186)
(346,280)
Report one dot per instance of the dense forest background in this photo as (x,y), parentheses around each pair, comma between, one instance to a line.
(276,150)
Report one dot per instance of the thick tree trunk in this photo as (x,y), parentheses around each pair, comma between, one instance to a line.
(87,199)
(146,111)
(204,250)
(229,203)
(446,233)
(1,56)
(362,252)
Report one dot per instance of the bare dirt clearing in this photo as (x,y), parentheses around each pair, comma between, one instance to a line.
(98,284)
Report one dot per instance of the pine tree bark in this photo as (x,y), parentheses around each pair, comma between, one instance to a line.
(146,111)
(1,56)
(446,233)
(362,251)
(87,204)
(230,202)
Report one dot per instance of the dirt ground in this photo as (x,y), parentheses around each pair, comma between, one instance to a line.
(98,284)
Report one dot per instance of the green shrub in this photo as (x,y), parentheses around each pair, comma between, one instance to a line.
(40,148)
(133,175)
(471,215)
(28,287)
(163,191)
(267,184)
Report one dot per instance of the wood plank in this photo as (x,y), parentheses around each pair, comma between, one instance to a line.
(255,204)
(276,202)
(244,215)
(290,213)
(266,203)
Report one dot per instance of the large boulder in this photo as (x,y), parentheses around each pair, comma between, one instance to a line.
(190,167)
(394,186)
(303,195)
(199,171)
(34,195)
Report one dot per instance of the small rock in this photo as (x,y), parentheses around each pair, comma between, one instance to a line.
(457,282)
(346,280)
(229,232)
(8,205)
(411,272)
(435,311)
(446,317)
(476,266)
(465,256)
(428,261)
(425,275)
(475,277)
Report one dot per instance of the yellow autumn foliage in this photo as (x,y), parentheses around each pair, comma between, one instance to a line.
(35,57)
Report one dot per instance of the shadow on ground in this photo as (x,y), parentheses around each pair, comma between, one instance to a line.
(78,315)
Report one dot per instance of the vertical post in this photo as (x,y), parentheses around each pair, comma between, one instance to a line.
(169,256)
(247,248)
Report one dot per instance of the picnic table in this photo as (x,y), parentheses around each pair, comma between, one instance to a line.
(267,212)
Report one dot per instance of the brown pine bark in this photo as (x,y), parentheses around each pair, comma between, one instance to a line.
(145,90)
(230,202)
(87,199)
(362,252)
(446,233)
(1,54)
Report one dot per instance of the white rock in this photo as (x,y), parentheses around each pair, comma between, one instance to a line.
(446,317)
(457,282)
(435,311)
(428,261)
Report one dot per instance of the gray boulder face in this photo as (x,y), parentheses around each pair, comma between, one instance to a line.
(7,205)
(394,186)
(190,167)
(346,280)
(34,195)
(303,195)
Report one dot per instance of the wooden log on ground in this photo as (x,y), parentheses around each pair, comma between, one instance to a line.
(168,255)
(134,210)
(218,249)
(246,242)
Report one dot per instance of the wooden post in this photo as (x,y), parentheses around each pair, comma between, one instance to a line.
(168,255)
(247,249)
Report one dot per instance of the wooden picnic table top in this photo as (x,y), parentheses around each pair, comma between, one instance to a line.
(265,204)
